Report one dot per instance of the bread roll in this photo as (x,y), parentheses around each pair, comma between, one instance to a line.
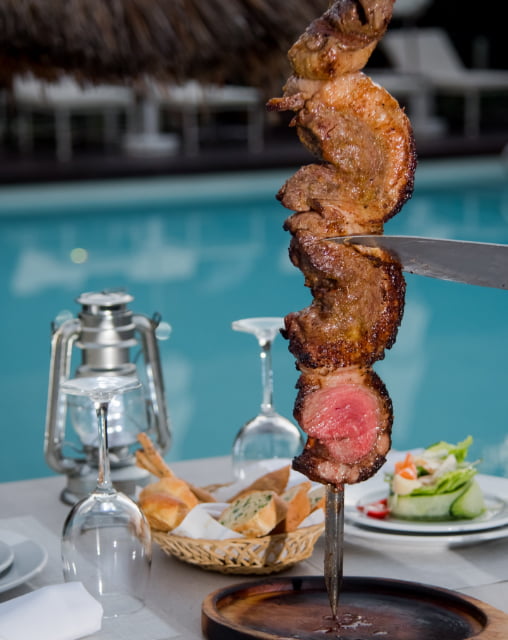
(163,512)
(255,514)
(174,487)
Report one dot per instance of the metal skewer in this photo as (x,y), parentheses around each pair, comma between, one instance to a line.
(334,544)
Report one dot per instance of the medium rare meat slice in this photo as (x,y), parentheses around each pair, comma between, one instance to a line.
(348,418)
(346,414)
(357,306)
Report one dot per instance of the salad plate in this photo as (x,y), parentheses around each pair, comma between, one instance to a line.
(495,491)
(360,535)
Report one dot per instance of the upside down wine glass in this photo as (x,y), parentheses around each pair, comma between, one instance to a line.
(106,540)
(268,435)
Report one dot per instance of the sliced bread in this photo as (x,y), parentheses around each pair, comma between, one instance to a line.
(297,500)
(273,481)
(317,497)
(254,514)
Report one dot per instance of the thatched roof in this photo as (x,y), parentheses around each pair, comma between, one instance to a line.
(116,40)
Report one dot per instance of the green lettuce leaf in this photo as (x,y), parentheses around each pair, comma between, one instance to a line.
(459,450)
(448,482)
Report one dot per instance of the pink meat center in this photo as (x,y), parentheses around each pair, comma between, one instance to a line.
(344,418)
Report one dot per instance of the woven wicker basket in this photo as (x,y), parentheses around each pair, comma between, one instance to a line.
(265,555)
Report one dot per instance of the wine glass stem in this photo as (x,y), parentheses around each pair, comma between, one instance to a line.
(266,375)
(104,476)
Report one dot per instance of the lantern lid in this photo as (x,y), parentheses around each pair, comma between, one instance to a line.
(104,299)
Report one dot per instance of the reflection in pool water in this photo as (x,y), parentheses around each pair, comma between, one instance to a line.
(204,251)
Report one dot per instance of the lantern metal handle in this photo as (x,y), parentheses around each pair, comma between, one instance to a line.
(146,328)
(62,342)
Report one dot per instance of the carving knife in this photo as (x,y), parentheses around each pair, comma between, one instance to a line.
(334,545)
(479,263)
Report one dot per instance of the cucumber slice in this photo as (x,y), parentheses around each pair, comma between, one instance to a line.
(470,504)
(435,507)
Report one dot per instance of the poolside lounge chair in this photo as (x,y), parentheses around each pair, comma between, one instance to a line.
(192,100)
(63,99)
(430,53)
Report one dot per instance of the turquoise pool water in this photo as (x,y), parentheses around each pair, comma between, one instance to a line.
(204,251)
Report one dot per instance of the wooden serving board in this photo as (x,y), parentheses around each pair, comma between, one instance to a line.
(369,609)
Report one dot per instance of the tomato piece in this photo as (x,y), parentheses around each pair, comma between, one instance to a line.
(378,509)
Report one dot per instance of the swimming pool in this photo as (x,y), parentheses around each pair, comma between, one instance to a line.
(206,250)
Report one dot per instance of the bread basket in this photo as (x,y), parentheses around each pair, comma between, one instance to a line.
(243,556)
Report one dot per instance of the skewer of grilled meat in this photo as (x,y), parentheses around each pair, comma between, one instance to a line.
(366,162)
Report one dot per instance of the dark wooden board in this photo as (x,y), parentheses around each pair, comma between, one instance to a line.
(369,609)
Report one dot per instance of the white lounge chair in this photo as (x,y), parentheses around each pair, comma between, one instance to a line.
(63,99)
(430,53)
(193,99)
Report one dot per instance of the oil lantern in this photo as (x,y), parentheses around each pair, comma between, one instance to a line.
(111,340)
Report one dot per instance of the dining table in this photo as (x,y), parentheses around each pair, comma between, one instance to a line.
(173,608)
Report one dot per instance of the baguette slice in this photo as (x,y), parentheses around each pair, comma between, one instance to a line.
(202,494)
(273,481)
(150,459)
(163,512)
(173,487)
(297,500)
(254,514)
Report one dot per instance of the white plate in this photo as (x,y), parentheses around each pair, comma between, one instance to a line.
(29,559)
(6,556)
(354,534)
(494,489)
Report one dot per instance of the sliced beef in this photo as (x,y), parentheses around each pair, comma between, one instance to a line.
(342,39)
(348,417)
(357,306)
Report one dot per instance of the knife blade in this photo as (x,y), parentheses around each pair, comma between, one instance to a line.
(334,545)
(478,263)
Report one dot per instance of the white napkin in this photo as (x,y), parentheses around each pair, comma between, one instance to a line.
(56,612)
(200,523)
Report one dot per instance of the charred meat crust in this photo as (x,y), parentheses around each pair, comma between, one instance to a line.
(356,126)
(357,307)
(342,39)
(366,147)
(317,464)
(323,205)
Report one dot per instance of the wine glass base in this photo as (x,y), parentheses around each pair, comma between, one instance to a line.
(125,479)
(119,604)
